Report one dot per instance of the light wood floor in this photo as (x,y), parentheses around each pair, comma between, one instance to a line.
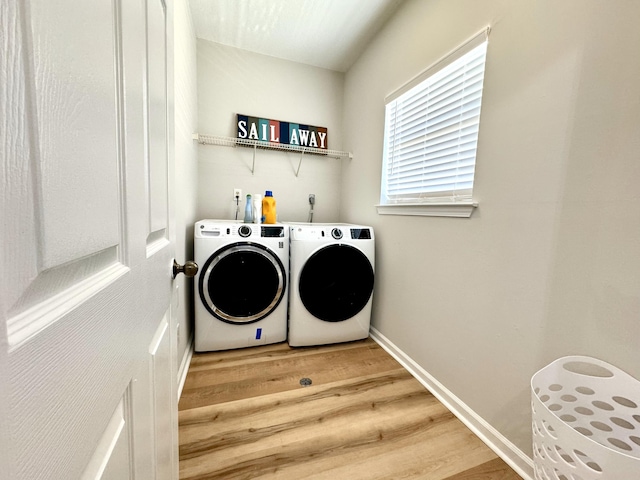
(244,415)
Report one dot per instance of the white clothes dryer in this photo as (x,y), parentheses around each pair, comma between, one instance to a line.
(331,276)
(241,288)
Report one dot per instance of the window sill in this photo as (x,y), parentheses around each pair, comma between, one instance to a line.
(458,209)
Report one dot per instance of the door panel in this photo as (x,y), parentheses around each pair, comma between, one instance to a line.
(162,399)
(157,119)
(111,458)
(63,253)
(83,300)
(74,94)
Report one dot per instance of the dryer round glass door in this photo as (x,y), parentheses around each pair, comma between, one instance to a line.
(336,283)
(242,283)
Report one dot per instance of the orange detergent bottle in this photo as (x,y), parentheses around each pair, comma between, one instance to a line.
(269,207)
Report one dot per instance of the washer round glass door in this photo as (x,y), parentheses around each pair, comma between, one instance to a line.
(336,283)
(242,283)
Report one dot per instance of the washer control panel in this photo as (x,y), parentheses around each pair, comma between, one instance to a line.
(222,228)
(244,231)
(360,233)
(205,229)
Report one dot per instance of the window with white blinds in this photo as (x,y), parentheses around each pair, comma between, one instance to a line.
(431,130)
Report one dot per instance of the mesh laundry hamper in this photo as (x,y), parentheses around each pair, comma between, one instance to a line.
(586,421)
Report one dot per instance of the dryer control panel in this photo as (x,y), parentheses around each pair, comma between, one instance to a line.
(330,232)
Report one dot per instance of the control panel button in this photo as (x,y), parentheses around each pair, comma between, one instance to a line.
(336,233)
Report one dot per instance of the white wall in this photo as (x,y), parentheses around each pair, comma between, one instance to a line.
(549,264)
(186,164)
(232,81)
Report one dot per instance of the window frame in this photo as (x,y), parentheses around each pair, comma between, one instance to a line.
(429,204)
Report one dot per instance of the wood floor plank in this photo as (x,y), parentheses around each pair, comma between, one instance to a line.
(244,415)
(331,408)
(298,404)
(244,356)
(279,372)
(494,469)
(407,457)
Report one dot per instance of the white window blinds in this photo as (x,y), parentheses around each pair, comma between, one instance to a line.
(431,130)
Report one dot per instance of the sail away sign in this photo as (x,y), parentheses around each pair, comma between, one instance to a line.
(275,131)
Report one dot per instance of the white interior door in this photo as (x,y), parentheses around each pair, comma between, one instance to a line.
(88,355)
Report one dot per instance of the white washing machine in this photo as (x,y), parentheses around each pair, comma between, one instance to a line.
(241,288)
(331,277)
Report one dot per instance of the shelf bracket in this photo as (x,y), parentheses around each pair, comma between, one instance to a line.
(300,162)
(253,166)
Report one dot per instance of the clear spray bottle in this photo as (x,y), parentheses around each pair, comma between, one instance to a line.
(248,211)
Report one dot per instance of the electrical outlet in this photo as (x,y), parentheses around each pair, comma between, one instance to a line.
(237,193)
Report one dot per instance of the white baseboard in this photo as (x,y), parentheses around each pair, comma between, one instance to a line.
(512,455)
(184,366)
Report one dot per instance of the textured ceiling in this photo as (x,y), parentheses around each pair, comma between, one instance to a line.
(324,33)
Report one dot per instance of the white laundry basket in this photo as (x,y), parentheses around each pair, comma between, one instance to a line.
(586,421)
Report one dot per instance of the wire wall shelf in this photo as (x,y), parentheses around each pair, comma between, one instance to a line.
(205,139)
